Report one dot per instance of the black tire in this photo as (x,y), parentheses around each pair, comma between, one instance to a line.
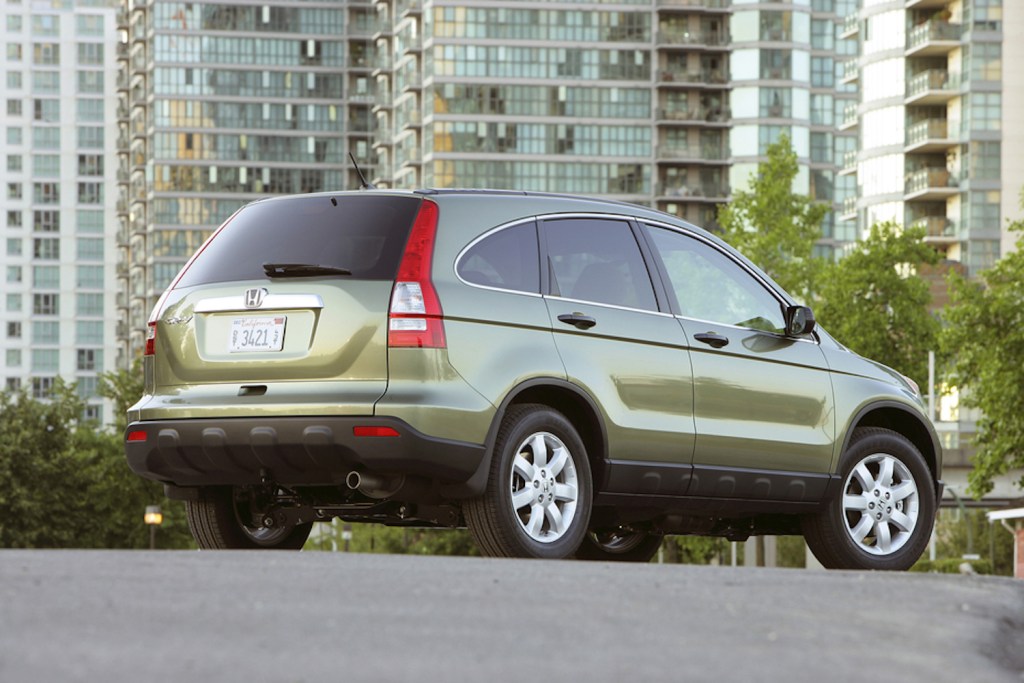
(518,518)
(619,545)
(216,523)
(883,514)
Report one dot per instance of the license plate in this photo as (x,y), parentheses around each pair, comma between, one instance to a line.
(257,334)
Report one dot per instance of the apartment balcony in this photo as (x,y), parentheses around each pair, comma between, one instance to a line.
(669,38)
(929,185)
(930,135)
(405,8)
(699,5)
(850,119)
(938,229)
(674,77)
(851,71)
(693,153)
(933,38)
(849,163)
(696,192)
(934,86)
(670,115)
(848,210)
(851,26)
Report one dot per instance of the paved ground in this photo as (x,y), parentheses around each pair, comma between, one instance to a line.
(260,616)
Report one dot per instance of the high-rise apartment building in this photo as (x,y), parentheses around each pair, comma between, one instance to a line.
(940,123)
(668,103)
(934,125)
(222,103)
(58,252)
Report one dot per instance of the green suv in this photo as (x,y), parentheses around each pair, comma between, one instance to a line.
(567,377)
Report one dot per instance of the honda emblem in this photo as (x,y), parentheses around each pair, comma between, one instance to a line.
(254,297)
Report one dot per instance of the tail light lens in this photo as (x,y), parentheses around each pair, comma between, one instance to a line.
(150,339)
(415,318)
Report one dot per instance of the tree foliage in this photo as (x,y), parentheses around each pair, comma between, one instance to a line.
(873,301)
(64,482)
(773,226)
(984,339)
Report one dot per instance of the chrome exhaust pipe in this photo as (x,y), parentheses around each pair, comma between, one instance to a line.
(373,485)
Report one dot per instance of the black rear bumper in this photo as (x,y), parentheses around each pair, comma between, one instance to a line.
(296,451)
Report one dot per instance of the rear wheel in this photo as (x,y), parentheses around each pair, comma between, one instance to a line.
(619,545)
(221,520)
(883,516)
(538,495)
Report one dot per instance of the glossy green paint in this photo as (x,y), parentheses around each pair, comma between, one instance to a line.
(426,391)
(763,401)
(635,363)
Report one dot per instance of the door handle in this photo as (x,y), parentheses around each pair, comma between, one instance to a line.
(715,341)
(577,320)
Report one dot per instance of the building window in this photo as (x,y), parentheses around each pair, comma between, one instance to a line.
(46,304)
(90,136)
(46,138)
(46,277)
(42,387)
(14,246)
(46,221)
(89,304)
(90,82)
(89,332)
(14,274)
(13,384)
(45,332)
(47,54)
(14,80)
(14,330)
(45,165)
(90,360)
(14,190)
(13,107)
(89,277)
(90,193)
(13,359)
(45,360)
(46,82)
(46,193)
(14,163)
(14,302)
(14,219)
(90,110)
(46,110)
(823,72)
(90,249)
(90,54)
(776,103)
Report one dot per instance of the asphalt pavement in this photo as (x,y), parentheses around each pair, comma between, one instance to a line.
(115,616)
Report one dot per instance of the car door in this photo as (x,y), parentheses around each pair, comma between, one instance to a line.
(622,346)
(763,401)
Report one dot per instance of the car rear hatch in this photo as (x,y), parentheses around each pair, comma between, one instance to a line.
(285,306)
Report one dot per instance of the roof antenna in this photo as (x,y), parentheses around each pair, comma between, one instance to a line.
(362,179)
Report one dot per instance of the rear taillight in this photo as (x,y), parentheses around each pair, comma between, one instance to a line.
(150,339)
(415,317)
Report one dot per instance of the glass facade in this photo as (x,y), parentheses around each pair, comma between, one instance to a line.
(58,255)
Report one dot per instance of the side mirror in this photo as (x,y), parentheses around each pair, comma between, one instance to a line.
(799,321)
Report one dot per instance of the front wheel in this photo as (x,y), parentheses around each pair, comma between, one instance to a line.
(221,520)
(538,495)
(883,516)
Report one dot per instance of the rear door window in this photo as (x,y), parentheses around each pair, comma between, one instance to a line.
(365,235)
(597,260)
(506,259)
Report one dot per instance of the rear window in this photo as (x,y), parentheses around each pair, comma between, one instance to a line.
(363,234)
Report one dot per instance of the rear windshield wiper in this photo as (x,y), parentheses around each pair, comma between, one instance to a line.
(301,270)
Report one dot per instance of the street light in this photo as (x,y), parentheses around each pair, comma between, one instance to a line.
(154,518)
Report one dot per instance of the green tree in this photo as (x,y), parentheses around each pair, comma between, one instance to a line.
(64,483)
(983,338)
(873,301)
(773,226)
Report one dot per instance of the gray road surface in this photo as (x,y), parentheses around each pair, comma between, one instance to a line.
(260,616)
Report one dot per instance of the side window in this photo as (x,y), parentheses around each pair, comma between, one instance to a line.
(710,286)
(507,259)
(595,259)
